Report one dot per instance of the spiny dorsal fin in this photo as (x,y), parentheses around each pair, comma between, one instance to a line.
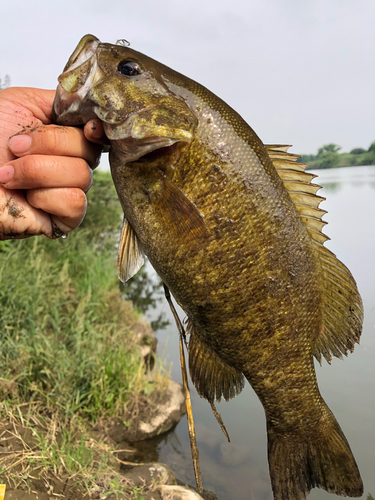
(212,377)
(130,256)
(342,310)
(300,188)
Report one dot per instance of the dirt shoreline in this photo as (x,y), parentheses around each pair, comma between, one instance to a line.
(26,478)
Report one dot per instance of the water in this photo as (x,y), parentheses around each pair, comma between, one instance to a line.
(239,470)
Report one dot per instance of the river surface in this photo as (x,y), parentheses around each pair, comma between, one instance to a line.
(239,470)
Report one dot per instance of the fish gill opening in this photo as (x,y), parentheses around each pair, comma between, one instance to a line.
(165,158)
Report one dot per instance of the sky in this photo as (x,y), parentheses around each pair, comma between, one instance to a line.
(299,72)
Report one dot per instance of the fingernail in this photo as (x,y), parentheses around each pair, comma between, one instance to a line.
(19,144)
(6,174)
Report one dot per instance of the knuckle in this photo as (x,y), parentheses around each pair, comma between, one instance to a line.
(28,168)
(84,174)
(55,138)
(77,200)
(89,178)
(46,228)
(52,138)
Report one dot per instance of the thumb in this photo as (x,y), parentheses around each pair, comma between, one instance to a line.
(94,132)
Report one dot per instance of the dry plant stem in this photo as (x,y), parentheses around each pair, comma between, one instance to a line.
(189,410)
(220,421)
(129,463)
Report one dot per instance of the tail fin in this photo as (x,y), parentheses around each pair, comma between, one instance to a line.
(327,462)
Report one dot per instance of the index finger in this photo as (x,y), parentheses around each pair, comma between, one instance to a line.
(55,140)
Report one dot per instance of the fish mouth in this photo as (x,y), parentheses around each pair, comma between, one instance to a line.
(155,151)
(80,74)
(158,153)
(138,139)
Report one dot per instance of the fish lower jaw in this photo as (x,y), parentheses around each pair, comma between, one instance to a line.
(138,129)
(131,149)
(67,109)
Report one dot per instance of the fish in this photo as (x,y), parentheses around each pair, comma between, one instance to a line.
(234,229)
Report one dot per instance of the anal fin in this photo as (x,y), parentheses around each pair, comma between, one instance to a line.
(212,377)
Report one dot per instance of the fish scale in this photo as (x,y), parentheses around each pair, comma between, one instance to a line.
(233,228)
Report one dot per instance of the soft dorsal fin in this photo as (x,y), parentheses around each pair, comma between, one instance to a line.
(130,255)
(342,310)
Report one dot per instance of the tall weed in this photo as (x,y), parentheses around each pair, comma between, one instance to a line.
(65,330)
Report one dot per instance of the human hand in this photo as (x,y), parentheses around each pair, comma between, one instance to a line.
(45,169)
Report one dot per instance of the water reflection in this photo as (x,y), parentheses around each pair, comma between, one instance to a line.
(148,451)
(240,470)
(144,290)
(364,175)
(337,178)
(332,187)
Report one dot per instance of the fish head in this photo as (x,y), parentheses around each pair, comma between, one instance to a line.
(128,91)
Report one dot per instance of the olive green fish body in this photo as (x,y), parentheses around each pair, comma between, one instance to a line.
(238,290)
(233,228)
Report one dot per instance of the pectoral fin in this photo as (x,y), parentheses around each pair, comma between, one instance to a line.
(177,211)
(130,255)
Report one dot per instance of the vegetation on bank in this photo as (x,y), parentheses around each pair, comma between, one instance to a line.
(66,339)
(328,156)
(66,349)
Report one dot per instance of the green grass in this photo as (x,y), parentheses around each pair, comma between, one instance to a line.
(47,449)
(66,331)
(67,356)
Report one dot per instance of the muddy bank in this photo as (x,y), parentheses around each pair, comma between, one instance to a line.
(34,454)
(28,476)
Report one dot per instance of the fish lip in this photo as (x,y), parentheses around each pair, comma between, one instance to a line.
(158,152)
(79,57)
(129,127)
(67,109)
(71,93)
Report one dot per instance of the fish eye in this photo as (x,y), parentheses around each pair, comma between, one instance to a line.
(129,68)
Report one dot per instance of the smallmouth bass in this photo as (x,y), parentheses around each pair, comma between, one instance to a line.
(233,228)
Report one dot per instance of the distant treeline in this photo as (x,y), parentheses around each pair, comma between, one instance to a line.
(329,157)
(5,83)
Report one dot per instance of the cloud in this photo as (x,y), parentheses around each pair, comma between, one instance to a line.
(299,72)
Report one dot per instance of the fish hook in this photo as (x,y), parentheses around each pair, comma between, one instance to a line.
(123,42)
